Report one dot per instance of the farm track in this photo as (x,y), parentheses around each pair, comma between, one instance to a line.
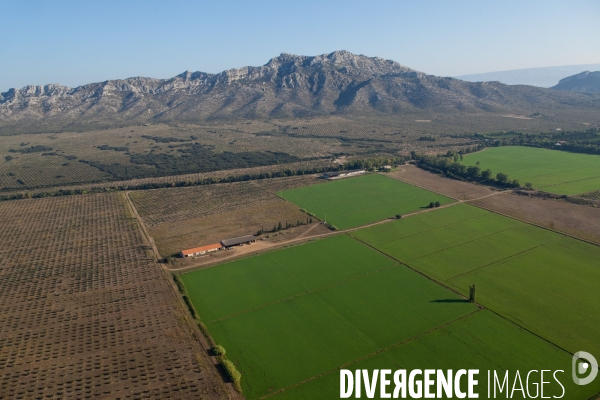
(198,335)
(261,247)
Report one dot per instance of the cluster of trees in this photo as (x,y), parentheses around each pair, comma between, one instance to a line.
(192,158)
(434,205)
(115,148)
(32,149)
(587,141)
(278,227)
(453,169)
(161,139)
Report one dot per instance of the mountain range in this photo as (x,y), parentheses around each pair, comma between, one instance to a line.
(587,81)
(286,86)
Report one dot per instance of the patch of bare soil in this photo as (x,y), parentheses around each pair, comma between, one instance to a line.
(577,220)
(85,310)
(440,184)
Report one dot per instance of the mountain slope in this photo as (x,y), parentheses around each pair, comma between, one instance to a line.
(588,82)
(287,86)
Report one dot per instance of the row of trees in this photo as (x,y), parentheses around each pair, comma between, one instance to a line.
(367,164)
(587,141)
(279,226)
(447,166)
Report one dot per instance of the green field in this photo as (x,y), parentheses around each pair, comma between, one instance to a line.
(539,279)
(351,202)
(308,325)
(552,171)
(290,319)
(481,341)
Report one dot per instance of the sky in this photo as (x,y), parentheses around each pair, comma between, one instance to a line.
(78,42)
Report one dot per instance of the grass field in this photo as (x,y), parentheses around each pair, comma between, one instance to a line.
(352,202)
(481,341)
(540,279)
(552,171)
(290,319)
(287,316)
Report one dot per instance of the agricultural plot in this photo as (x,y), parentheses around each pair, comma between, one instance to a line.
(352,202)
(552,171)
(537,278)
(481,341)
(86,312)
(187,217)
(290,315)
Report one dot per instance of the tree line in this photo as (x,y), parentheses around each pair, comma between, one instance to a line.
(368,164)
(449,165)
(587,142)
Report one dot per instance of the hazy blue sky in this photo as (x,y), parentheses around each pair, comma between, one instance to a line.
(77,42)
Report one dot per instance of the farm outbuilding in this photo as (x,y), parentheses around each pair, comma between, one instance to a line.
(197,251)
(238,241)
(342,174)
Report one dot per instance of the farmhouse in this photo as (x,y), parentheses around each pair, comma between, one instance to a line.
(227,243)
(196,251)
(342,174)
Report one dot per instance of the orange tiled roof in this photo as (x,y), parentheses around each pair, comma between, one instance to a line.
(200,249)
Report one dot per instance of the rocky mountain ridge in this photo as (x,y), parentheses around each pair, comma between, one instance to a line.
(286,86)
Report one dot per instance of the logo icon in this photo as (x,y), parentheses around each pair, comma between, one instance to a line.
(584,363)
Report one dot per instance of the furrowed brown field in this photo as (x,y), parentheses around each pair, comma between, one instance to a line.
(85,309)
(180,218)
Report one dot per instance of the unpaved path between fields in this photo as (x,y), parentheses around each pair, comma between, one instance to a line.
(143,226)
(260,246)
(198,335)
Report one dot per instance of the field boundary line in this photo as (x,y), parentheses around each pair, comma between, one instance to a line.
(419,272)
(424,188)
(382,350)
(478,304)
(533,223)
(562,183)
(460,244)
(431,229)
(302,294)
(149,238)
(194,331)
(505,258)
(297,241)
